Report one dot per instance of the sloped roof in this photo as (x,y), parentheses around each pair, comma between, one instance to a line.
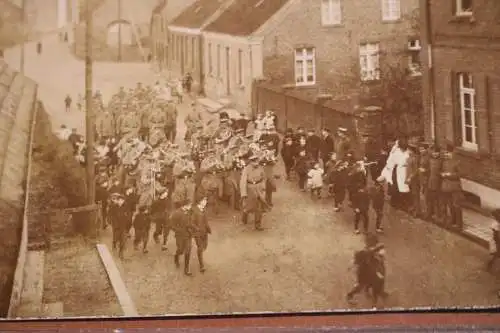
(244,17)
(197,14)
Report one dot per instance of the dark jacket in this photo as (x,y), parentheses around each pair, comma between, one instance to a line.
(451,182)
(302,164)
(342,146)
(361,200)
(327,146)
(313,146)
(200,223)
(435,167)
(287,152)
(181,223)
(377,196)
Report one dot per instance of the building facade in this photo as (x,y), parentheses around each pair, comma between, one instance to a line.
(164,13)
(461,72)
(318,47)
(185,38)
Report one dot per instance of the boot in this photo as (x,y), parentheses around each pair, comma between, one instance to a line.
(187,271)
(200,261)
(176,260)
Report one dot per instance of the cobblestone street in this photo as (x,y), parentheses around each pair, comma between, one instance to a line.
(299,263)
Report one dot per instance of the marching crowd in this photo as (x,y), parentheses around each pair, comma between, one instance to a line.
(145,179)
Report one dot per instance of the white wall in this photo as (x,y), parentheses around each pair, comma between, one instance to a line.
(251,66)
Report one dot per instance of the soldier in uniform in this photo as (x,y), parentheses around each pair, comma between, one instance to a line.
(451,189)
(423,176)
(106,125)
(130,124)
(119,223)
(201,230)
(171,120)
(185,185)
(252,187)
(342,144)
(193,118)
(160,209)
(181,221)
(142,225)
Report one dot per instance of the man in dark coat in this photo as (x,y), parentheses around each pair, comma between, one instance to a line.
(342,144)
(201,230)
(181,222)
(142,225)
(327,146)
(313,144)
(288,154)
(159,216)
(119,224)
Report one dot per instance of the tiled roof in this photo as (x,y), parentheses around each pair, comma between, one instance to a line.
(244,17)
(197,14)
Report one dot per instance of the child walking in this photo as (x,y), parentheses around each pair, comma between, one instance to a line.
(361,205)
(377,196)
(315,180)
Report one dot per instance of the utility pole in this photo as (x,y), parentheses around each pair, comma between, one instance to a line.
(89,115)
(24,30)
(119,30)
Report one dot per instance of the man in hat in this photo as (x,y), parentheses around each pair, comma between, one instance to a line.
(423,176)
(185,184)
(287,154)
(241,123)
(105,124)
(160,211)
(201,229)
(142,226)
(193,118)
(342,144)
(119,222)
(432,196)
(181,222)
(252,187)
(327,146)
(451,188)
(130,123)
(313,144)
(170,120)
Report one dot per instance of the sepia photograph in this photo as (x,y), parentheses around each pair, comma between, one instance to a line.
(202,157)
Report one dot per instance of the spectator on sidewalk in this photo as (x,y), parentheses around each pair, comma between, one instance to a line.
(67,103)
(451,189)
(495,241)
(432,197)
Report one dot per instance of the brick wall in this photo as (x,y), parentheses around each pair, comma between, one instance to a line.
(336,46)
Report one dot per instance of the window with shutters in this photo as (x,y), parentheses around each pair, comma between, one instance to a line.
(369,61)
(305,66)
(467,102)
(391,10)
(331,12)
(463,7)
(210,60)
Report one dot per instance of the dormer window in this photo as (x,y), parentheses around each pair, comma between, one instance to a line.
(463,7)
(414,45)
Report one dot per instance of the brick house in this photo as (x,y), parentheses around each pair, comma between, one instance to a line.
(461,81)
(184,36)
(319,47)
(233,48)
(162,14)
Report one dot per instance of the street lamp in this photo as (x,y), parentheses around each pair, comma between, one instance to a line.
(89,116)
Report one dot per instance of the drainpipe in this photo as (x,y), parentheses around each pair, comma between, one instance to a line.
(430,74)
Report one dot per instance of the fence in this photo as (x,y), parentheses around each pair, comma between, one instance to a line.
(294,109)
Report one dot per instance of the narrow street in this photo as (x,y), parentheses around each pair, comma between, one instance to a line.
(299,263)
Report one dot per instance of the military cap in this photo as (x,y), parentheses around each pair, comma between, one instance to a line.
(342,129)
(240,130)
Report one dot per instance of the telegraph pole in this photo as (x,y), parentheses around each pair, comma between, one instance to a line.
(119,30)
(89,116)
(23,48)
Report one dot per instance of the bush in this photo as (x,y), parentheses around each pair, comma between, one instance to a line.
(58,180)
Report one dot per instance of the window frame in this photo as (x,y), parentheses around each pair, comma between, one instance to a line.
(372,66)
(388,10)
(471,91)
(333,10)
(304,58)
(459,9)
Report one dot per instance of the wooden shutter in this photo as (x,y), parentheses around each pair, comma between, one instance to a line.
(482,118)
(493,86)
(446,118)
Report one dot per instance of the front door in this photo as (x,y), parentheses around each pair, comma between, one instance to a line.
(228,72)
